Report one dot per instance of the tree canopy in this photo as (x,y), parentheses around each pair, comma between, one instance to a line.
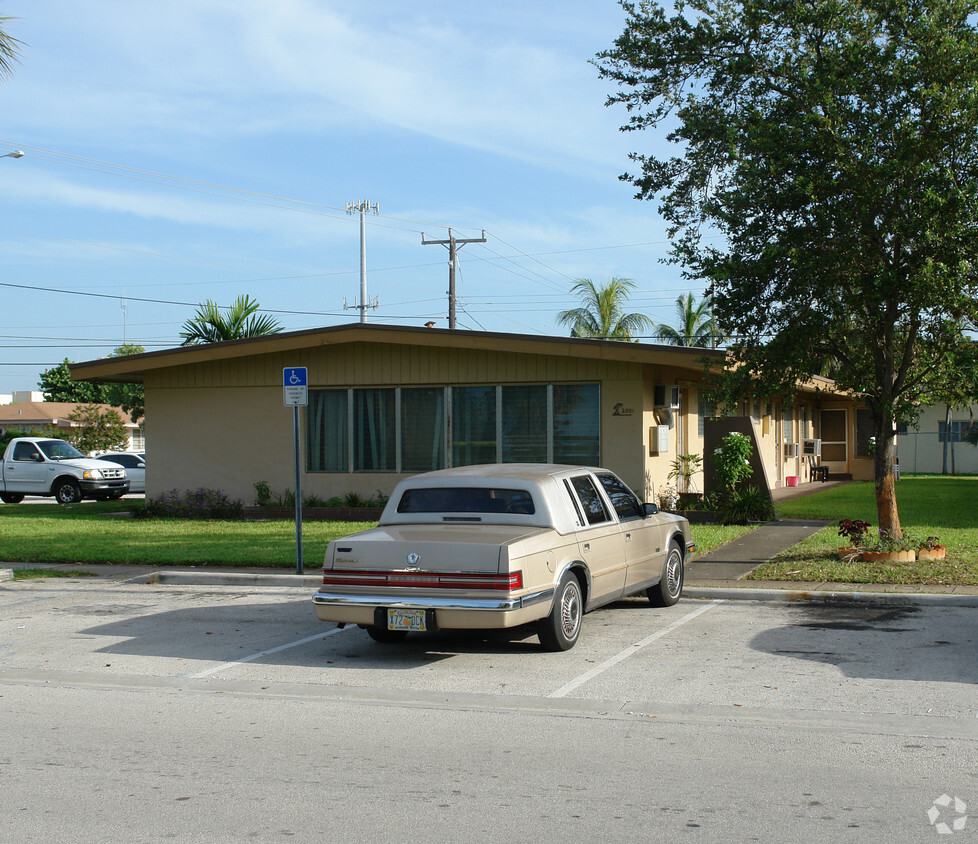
(56,385)
(826,184)
(601,314)
(9,49)
(213,324)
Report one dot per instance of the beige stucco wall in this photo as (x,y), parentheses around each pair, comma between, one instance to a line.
(223,425)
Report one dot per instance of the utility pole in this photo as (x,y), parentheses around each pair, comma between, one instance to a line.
(363,206)
(453,243)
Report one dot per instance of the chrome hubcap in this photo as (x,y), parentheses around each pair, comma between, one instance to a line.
(674,573)
(570,610)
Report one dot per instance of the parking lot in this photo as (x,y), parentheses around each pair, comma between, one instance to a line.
(808,682)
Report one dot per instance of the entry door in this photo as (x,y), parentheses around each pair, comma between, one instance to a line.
(835,445)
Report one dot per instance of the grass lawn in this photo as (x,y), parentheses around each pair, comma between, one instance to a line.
(94,532)
(929,505)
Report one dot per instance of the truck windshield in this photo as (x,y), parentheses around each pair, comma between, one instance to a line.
(466,500)
(58,450)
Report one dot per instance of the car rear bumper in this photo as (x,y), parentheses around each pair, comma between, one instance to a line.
(451,612)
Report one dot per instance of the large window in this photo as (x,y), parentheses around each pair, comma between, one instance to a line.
(374,431)
(422,429)
(525,424)
(327,448)
(473,425)
(577,424)
(418,429)
(958,427)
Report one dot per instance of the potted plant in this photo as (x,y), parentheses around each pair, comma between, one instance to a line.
(853,530)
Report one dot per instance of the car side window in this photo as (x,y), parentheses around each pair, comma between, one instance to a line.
(625,502)
(594,509)
(25,451)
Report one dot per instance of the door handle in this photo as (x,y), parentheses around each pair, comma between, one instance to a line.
(628,537)
(587,546)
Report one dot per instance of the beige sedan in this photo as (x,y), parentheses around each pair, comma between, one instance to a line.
(500,546)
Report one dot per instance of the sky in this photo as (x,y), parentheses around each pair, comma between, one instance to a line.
(199,150)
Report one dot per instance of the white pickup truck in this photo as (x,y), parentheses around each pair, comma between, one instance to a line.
(42,466)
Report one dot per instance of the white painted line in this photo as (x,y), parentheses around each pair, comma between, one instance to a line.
(227,665)
(629,651)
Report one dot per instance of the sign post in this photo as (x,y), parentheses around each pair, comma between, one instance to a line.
(296,395)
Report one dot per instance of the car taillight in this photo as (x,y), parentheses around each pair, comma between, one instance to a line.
(429,580)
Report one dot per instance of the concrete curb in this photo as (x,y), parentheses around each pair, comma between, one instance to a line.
(932,599)
(184,578)
(6,574)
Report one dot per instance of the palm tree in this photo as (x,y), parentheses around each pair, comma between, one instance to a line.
(211,326)
(602,311)
(9,48)
(696,326)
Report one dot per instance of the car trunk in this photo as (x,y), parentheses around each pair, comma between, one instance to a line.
(432,548)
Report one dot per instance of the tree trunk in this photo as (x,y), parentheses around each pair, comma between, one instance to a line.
(947,435)
(884,476)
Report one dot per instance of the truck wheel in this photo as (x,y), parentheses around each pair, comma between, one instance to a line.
(559,630)
(66,491)
(11,497)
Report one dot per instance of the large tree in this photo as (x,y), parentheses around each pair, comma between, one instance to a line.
(602,312)
(56,385)
(694,326)
(213,324)
(826,184)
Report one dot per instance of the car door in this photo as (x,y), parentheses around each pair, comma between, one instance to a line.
(599,539)
(26,470)
(642,535)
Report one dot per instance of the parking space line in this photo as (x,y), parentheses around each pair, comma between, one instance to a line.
(629,651)
(226,665)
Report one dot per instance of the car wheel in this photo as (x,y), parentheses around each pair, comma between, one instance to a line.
(67,492)
(381,634)
(559,630)
(667,591)
(11,497)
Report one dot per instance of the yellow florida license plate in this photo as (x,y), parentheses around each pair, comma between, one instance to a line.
(406,620)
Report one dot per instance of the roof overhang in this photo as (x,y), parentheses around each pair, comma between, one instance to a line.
(132,368)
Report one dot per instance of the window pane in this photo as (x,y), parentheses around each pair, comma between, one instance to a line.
(473,425)
(326,431)
(525,424)
(466,500)
(864,432)
(577,417)
(422,429)
(594,509)
(625,502)
(374,429)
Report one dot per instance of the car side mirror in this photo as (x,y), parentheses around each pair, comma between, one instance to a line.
(650,509)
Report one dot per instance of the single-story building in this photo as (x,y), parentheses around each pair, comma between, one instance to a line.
(389,401)
(922,448)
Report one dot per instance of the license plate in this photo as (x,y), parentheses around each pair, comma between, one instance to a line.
(406,620)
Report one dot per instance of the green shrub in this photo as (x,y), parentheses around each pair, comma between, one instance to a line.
(192,504)
(740,506)
(263,493)
(353,499)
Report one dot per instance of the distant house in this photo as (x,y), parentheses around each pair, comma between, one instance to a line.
(35,415)
(388,401)
(922,448)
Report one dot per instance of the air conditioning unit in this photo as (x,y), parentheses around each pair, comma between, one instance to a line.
(813,447)
(667,395)
(658,439)
(791,450)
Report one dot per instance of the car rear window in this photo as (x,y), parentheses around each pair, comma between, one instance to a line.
(466,500)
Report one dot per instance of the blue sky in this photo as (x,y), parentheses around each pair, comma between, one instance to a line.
(203,149)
